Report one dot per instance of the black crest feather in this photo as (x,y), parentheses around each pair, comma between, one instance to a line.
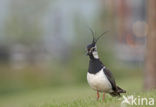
(93,34)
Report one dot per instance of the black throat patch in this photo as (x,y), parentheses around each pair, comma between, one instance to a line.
(95,66)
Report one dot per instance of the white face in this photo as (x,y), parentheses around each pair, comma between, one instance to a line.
(95,53)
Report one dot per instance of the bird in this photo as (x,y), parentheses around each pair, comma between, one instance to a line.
(99,77)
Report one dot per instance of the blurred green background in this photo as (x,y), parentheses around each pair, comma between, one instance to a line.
(42,46)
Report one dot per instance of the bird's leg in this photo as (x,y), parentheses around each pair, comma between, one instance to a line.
(98,95)
(103,96)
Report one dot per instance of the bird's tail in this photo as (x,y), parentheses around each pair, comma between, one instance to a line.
(117,92)
(120,90)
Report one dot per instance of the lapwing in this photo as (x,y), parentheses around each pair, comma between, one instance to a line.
(99,77)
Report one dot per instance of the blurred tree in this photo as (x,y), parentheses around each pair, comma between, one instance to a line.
(24,22)
(150,71)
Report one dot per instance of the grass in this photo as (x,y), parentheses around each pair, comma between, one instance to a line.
(73,96)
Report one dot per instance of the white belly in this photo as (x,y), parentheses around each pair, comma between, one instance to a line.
(99,81)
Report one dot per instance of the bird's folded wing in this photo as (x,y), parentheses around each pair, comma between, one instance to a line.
(110,78)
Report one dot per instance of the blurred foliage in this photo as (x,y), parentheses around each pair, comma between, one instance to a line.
(23,25)
(60,73)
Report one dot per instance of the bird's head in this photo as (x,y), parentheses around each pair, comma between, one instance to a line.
(91,48)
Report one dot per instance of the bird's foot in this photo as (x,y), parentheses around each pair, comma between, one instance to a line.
(98,95)
(103,96)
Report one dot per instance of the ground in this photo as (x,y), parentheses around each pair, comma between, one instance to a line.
(73,96)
